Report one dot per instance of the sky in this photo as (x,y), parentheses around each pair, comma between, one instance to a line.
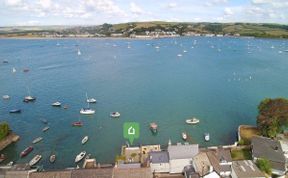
(95,12)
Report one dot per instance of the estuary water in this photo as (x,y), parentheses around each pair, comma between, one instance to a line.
(217,80)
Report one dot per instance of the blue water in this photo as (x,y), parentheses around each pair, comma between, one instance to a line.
(218,80)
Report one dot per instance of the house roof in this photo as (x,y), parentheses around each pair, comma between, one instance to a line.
(267,148)
(183,151)
(246,168)
(159,157)
(215,162)
(92,173)
(201,163)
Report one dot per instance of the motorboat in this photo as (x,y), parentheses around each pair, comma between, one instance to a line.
(87,111)
(35,160)
(26,70)
(153,127)
(5,62)
(115,114)
(15,111)
(29,98)
(179,55)
(91,100)
(80,156)
(52,158)
(65,106)
(26,151)
(6,97)
(184,136)
(206,137)
(192,121)
(56,104)
(36,140)
(77,124)
(45,129)
(84,140)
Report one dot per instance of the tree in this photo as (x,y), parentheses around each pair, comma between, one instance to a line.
(273,116)
(264,165)
(4,130)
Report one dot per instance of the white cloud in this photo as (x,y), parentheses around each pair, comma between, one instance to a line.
(216,2)
(13,2)
(228,11)
(135,9)
(172,5)
(45,3)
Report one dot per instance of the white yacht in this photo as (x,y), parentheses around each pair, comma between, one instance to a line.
(84,140)
(179,55)
(36,140)
(115,114)
(80,156)
(6,97)
(87,111)
(35,160)
(56,104)
(91,100)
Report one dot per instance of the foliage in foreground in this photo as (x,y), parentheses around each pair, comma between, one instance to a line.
(273,116)
(4,130)
(264,165)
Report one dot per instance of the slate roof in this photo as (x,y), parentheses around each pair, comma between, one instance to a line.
(159,157)
(246,168)
(183,151)
(263,147)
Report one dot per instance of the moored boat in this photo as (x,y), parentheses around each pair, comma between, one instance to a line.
(6,97)
(56,104)
(45,129)
(84,140)
(115,114)
(52,158)
(36,140)
(184,136)
(91,100)
(80,156)
(192,121)
(87,111)
(153,127)
(29,98)
(35,160)
(77,124)
(26,70)
(26,151)
(15,111)
(206,137)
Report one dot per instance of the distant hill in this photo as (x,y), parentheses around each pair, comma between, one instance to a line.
(152,29)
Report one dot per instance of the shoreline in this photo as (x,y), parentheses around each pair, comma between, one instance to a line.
(9,139)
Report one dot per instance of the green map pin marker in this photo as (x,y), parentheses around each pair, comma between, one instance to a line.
(131,131)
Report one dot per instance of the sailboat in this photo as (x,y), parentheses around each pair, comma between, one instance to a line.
(13,70)
(88,110)
(90,100)
(29,98)
(79,52)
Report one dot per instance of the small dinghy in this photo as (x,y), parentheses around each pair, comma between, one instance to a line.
(153,127)
(115,114)
(77,124)
(184,136)
(45,129)
(52,158)
(36,140)
(35,160)
(15,111)
(207,137)
(80,156)
(192,121)
(84,140)
(44,121)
